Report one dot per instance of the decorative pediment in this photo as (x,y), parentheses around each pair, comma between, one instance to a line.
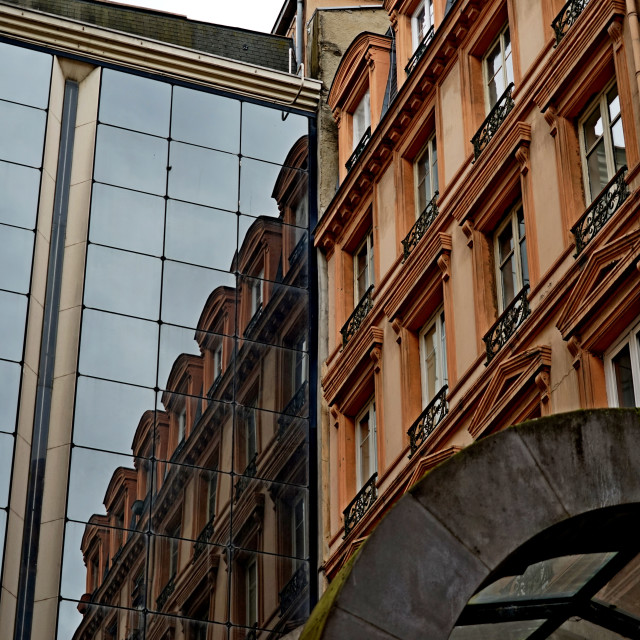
(609,270)
(506,389)
(428,462)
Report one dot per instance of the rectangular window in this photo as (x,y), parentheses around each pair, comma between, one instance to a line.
(426,169)
(602,142)
(498,68)
(421,21)
(298,530)
(251,445)
(251,593)
(217,362)
(174,548)
(361,118)
(622,364)
(433,357)
(363,267)
(256,294)
(212,490)
(510,248)
(182,424)
(366,450)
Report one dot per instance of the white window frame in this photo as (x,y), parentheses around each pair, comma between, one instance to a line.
(430,153)
(437,320)
(361,118)
(507,67)
(630,338)
(369,411)
(418,31)
(367,245)
(599,103)
(521,280)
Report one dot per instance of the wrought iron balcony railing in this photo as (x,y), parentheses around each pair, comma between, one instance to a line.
(293,409)
(357,152)
(169,588)
(420,51)
(243,481)
(253,322)
(567,16)
(360,504)
(420,227)
(201,543)
(429,419)
(298,250)
(606,203)
(492,122)
(352,325)
(506,325)
(294,589)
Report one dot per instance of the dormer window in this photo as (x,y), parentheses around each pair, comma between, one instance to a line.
(361,118)
(421,21)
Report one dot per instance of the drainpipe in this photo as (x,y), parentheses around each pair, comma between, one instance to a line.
(634,29)
(299,32)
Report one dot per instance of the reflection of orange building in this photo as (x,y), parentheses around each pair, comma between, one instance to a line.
(226,490)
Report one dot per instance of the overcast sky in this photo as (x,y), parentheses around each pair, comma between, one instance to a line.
(259,15)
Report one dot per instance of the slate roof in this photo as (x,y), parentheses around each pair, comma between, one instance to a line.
(254,47)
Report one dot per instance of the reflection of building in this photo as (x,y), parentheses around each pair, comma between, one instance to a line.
(163,368)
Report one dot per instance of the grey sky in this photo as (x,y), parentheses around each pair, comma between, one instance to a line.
(259,15)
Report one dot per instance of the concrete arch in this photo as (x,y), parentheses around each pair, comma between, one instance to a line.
(416,572)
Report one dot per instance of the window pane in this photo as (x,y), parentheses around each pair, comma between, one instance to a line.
(9,388)
(257,183)
(24,75)
(505,243)
(16,251)
(593,129)
(365,461)
(13,313)
(597,167)
(19,187)
(204,177)
(129,159)
(21,134)
(509,281)
(205,119)
(617,137)
(623,374)
(6,458)
(613,103)
(127,219)
(430,364)
(134,102)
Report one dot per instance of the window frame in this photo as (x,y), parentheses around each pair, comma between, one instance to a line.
(438,321)
(430,150)
(369,270)
(369,410)
(257,293)
(362,108)
(599,103)
(511,219)
(416,37)
(504,67)
(631,339)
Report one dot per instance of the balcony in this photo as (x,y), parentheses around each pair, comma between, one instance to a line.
(360,504)
(513,316)
(293,409)
(567,16)
(169,588)
(355,320)
(429,419)
(292,591)
(605,204)
(419,52)
(425,220)
(355,156)
(243,481)
(492,122)
(201,543)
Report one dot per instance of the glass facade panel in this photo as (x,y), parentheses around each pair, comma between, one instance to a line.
(22,141)
(6,455)
(13,314)
(24,75)
(9,388)
(16,251)
(20,187)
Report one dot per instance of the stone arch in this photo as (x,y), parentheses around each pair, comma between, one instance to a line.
(444,538)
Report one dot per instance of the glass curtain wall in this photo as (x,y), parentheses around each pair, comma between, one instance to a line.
(24,99)
(190,438)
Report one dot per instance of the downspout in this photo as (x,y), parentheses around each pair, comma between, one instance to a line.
(634,29)
(300,33)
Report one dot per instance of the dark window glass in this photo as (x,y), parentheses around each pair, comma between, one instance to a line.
(21,134)
(24,75)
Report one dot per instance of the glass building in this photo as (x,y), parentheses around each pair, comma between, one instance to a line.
(157,350)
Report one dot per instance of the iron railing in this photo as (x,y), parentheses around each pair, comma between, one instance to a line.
(293,409)
(253,322)
(298,250)
(360,504)
(243,481)
(352,325)
(357,152)
(567,16)
(492,122)
(420,51)
(420,227)
(506,325)
(429,419)
(294,588)
(606,203)
(169,588)
(201,543)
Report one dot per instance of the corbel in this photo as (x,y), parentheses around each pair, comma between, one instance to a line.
(522,156)
(551,116)
(543,382)
(335,414)
(575,349)
(615,32)
(396,325)
(467,229)
(376,356)
(444,263)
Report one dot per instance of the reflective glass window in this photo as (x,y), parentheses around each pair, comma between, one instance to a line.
(22,141)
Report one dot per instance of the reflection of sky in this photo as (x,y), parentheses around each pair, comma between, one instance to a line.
(68,620)
(6,455)
(9,386)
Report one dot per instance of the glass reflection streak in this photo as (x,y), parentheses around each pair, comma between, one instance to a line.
(194,340)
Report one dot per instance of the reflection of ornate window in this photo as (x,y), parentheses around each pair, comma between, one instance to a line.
(366,456)
(361,118)
(256,293)
(602,142)
(363,267)
(622,364)
(182,424)
(251,591)
(217,362)
(298,530)
(174,549)
(421,21)
(433,357)
(498,68)
(510,248)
